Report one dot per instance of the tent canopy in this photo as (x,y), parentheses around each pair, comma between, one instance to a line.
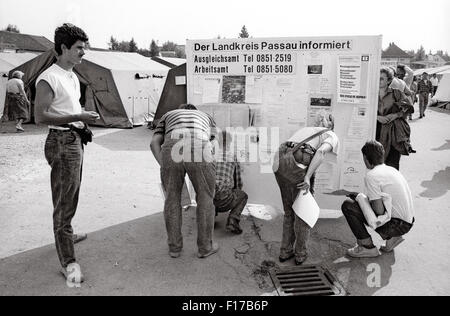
(174,93)
(122,87)
(9,61)
(432,71)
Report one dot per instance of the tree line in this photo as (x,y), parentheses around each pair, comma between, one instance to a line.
(154,49)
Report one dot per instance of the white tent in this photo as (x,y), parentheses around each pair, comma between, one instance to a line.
(432,71)
(10,61)
(138,79)
(443,91)
(124,88)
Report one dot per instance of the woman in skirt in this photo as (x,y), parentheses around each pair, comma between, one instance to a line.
(17,100)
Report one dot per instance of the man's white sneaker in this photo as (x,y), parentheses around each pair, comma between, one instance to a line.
(363,252)
(73,273)
(392,243)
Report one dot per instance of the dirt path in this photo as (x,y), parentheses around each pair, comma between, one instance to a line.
(120,183)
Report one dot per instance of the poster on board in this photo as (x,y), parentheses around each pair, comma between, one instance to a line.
(274,87)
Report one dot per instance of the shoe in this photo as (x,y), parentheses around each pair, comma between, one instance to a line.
(284,259)
(19,129)
(412,151)
(300,261)
(392,243)
(73,274)
(214,249)
(233,226)
(363,252)
(78,238)
(174,254)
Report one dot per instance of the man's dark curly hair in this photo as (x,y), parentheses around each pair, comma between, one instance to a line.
(68,34)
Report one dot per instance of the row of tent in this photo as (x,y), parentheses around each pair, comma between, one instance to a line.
(126,89)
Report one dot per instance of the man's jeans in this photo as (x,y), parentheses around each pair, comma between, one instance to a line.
(64,153)
(356,220)
(234,200)
(203,177)
(423,103)
(295,231)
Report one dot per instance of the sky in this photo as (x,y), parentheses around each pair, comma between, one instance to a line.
(408,23)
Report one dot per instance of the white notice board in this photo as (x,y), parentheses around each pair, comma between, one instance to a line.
(280,85)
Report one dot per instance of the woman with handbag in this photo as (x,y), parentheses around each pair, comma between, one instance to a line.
(295,164)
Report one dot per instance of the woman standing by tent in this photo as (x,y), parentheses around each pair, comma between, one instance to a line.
(17,100)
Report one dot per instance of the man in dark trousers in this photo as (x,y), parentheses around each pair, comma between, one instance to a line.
(388,198)
(57,105)
(181,144)
(229,194)
(424,88)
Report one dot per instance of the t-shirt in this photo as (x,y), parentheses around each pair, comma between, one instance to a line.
(384,181)
(196,122)
(12,86)
(328,137)
(434,82)
(66,92)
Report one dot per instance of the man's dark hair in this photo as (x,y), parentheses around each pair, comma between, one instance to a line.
(68,35)
(187,107)
(374,152)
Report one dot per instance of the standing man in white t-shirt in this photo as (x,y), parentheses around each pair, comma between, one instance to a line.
(435,83)
(57,105)
(389,194)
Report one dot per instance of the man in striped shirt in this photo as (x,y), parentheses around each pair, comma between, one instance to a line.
(181,144)
(229,194)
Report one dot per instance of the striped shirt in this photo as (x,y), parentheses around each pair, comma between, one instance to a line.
(198,123)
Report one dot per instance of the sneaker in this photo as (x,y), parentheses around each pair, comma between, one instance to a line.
(301,260)
(174,254)
(78,238)
(73,274)
(392,243)
(286,258)
(19,129)
(214,249)
(233,226)
(363,252)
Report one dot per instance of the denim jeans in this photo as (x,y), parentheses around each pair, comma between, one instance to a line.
(232,200)
(64,153)
(202,174)
(295,231)
(423,102)
(356,220)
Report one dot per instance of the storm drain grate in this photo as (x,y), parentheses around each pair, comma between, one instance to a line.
(305,281)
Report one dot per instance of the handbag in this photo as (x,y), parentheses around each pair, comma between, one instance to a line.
(285,163)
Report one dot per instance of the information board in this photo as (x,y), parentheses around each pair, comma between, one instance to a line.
(269,88)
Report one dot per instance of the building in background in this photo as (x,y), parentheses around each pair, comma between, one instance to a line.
(394,55)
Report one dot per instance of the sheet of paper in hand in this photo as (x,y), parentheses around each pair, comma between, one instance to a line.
(305,206)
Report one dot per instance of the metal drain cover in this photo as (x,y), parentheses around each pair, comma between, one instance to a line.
(309,280)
